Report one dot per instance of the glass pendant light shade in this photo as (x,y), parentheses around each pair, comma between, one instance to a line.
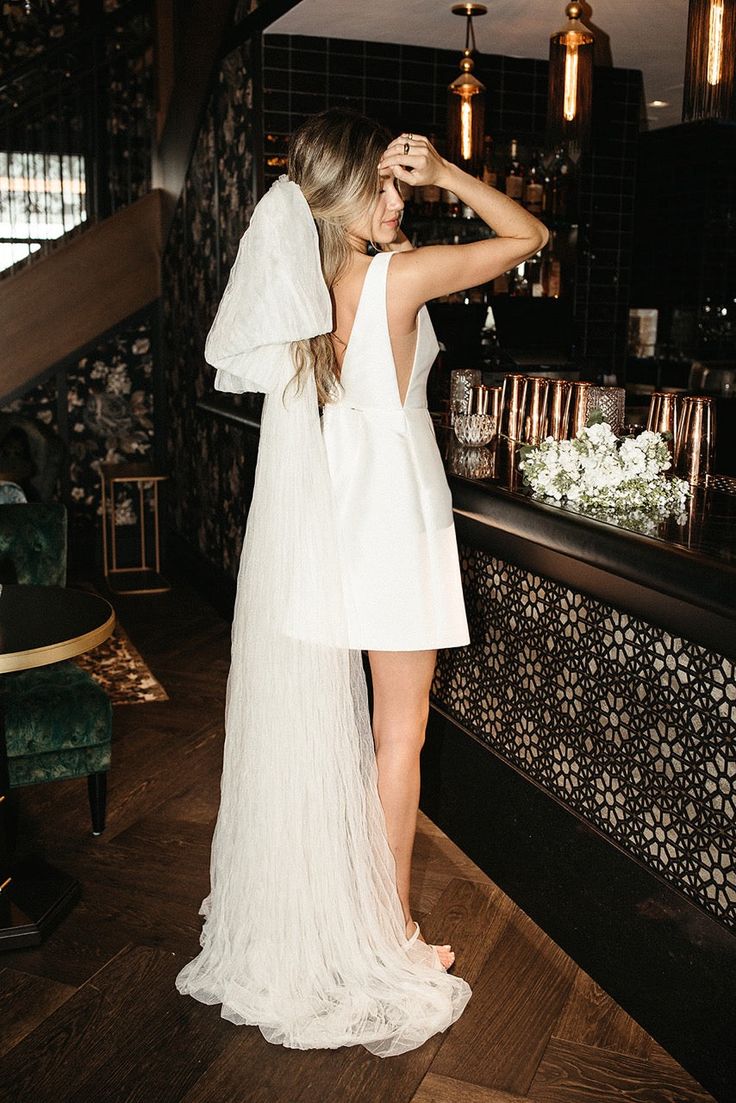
(570,92)
(466,103)
(466,119)
(710,84)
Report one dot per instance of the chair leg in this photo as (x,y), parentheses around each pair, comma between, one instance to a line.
(97,790)
(11,822)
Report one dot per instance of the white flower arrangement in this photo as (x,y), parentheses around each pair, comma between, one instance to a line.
(614,478)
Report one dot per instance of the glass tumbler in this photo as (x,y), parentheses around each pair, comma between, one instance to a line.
(610,401)
(462,380)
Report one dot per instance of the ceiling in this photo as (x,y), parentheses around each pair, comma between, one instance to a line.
(629,34)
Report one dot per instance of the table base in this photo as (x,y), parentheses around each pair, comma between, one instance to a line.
(33,900)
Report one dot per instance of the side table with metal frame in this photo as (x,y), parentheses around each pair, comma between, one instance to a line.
(145,577)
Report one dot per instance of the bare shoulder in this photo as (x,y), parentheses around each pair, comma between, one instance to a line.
(407,284)
(403,292)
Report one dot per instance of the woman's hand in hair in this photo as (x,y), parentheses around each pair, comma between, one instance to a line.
(421,165)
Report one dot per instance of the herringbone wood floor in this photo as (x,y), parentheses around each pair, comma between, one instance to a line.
(92,1015)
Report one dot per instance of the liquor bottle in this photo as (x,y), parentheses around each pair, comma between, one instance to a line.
(534,267)
(489,346)
(551,269)
(476,294)
(490,176)
(431,192)
(514,180)
(502,284)
(534,186)
(546,188)
(559,206)
(450,203)
(520,280)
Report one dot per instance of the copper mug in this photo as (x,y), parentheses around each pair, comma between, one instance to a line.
(535,421)
(479,399)
(579,407)
(506,468)
(559,394)
(662,415)
(696,438)
(485,400)
(513,405)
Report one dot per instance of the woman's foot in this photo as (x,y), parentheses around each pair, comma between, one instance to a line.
(444,953)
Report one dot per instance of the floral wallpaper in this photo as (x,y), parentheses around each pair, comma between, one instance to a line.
(26,35)
(107,399)
(211,459)
(110,413)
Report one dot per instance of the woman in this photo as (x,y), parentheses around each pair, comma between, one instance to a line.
(349,546)
(406,593)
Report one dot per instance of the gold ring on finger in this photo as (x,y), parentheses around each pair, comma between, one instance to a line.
(406,147)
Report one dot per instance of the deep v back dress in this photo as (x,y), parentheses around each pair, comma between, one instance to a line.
(398,546)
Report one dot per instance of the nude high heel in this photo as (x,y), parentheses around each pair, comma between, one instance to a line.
(436,961)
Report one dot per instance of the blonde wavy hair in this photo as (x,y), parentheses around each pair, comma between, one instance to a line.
(333,157)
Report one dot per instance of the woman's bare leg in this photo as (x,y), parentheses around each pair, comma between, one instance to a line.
(401,683)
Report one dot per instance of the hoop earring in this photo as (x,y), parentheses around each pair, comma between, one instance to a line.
(373,246)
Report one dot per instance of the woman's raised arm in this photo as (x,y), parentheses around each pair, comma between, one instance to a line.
(436,270)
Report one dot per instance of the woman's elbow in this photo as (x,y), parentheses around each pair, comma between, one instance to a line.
(539,242)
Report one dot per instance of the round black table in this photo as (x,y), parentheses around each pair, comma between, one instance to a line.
(39,625)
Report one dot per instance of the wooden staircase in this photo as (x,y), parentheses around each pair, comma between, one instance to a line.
(55,306)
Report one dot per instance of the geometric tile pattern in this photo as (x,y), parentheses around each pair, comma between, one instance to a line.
(632,728)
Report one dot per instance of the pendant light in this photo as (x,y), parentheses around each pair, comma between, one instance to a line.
(466,102)
(570,93)
(710,87)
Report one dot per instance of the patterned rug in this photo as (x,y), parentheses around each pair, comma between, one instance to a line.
(121,670)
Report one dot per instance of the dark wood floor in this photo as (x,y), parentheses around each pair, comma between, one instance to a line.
(92,1015)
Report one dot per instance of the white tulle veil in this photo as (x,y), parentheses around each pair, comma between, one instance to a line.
(304,932)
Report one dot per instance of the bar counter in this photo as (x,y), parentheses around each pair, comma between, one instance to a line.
(581,748)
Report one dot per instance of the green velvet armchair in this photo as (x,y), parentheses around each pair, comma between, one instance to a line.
(58,719)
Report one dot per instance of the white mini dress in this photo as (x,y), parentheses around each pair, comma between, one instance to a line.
(401,577)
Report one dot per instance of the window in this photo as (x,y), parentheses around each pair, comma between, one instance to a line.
(42,196)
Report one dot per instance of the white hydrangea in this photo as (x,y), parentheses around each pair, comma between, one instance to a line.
(603,474)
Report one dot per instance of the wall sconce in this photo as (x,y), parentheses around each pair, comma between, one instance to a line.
(570,92)
(466,102)
(710,88)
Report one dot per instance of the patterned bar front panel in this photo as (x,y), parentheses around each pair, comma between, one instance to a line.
(630,727)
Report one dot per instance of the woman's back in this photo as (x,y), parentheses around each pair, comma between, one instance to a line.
(380,365)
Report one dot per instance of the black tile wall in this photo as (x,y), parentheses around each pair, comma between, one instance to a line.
(685,229)
(405,87)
